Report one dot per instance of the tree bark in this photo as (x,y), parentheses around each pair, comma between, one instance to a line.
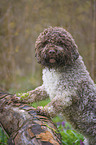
(93,11)
(24,126)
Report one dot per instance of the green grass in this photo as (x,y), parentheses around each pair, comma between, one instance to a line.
(24,84)
(41,103)
(3,137)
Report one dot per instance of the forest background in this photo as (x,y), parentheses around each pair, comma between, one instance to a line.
(21,21)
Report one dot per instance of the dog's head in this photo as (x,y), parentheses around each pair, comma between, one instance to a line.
(55,47)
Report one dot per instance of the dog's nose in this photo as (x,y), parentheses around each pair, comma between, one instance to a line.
(51,51)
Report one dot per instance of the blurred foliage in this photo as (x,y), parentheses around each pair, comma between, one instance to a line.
(20,24)
(3,137)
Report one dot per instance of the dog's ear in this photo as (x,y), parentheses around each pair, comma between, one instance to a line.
(37,55)
(75,53)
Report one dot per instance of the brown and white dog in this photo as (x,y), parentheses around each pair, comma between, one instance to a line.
(66,81)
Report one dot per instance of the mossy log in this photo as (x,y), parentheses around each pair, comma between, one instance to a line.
(24,125)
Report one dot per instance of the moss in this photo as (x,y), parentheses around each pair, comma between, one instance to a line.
(51,128)
(22,95)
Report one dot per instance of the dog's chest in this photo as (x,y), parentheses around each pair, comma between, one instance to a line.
(52,80)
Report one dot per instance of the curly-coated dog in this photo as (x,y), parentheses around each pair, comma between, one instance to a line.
(66,81)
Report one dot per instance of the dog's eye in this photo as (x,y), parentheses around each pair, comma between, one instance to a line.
(59,48)
(44,44)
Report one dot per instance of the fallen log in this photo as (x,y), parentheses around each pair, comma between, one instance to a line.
(24,125)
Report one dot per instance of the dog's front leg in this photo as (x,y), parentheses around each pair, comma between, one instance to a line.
(56,106)
(33,96)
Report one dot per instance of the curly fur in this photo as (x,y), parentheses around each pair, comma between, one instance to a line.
(66,81)
(51,38)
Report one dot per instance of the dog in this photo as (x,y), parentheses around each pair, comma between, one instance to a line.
(66,81)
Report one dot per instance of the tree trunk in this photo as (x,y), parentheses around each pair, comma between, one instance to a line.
(93,11)
(24,126)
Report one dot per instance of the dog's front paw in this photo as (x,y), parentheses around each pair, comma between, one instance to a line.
(42,111)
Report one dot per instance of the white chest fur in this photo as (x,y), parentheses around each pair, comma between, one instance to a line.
(51,81)
(56,83)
